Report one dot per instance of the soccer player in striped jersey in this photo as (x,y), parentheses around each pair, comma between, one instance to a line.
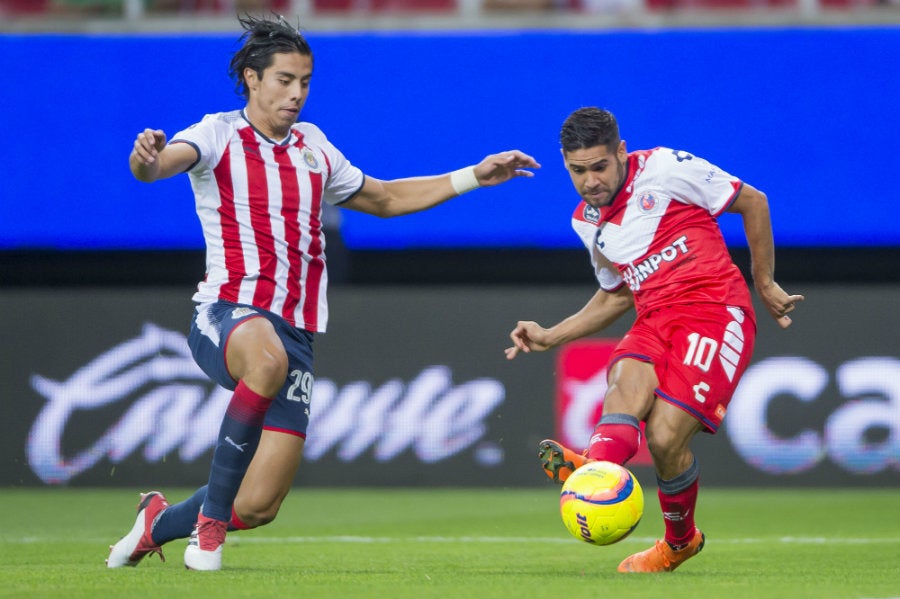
(648,220)
(260,179)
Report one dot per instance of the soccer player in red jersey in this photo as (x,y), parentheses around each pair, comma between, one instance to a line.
(648,219)
(260,180)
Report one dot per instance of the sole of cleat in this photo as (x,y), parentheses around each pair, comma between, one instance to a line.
(553,460)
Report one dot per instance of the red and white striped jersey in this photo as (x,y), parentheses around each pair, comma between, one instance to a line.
(260,207)
(661,234)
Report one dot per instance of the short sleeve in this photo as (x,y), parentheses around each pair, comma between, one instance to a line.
(344,179)
(209,137)
(693,180)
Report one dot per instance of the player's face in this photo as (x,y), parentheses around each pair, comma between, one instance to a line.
(597,173)
(277,97)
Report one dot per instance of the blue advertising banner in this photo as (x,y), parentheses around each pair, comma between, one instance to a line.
(803,114)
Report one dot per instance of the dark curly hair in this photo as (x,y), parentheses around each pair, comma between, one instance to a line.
(588,128)
(261,39)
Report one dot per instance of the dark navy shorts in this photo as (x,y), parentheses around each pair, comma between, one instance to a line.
(211,327)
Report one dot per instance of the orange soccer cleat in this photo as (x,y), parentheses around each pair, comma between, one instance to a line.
(661,557)
(559,462)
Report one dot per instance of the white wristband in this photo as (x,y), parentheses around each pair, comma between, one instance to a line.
(464,180)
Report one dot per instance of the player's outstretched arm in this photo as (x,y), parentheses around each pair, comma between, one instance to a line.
(602,310)
(500,168)
(151,159)
(753,206)
(414,194)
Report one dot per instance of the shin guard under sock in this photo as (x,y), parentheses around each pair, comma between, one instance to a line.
(238,438)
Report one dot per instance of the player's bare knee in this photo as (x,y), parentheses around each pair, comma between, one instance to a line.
(273,366)
(619,401)
(268,373)
(664,445)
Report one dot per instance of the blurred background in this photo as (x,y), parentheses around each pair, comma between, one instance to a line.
(796,97)
(406,14)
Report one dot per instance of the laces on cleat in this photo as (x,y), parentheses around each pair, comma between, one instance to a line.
(204,549)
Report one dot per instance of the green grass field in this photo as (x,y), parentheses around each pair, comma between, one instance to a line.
(503,543)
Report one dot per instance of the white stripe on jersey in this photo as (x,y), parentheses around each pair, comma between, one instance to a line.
(260,208)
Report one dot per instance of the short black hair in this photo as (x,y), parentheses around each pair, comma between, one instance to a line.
(261,39)
(588,128)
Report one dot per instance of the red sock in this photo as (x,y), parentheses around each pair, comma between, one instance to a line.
(247,406)
(615,441)
(236,523)
(678,513)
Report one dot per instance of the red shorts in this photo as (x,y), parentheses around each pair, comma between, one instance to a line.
(699,353)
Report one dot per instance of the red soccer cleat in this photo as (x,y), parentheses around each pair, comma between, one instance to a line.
(138,543)
(204,550)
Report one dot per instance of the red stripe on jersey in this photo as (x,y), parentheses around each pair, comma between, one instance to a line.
(614,212)
(231,238)
(316,266)
(290,211)
(258,194)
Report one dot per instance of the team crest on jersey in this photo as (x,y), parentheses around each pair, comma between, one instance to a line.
(591,214)
(310,159)
(647,202)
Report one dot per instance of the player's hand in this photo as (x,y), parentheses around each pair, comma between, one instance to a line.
(528,336)
(779,303)
(499,168)
(148,144)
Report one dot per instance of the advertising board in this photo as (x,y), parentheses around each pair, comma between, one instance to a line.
(412,388)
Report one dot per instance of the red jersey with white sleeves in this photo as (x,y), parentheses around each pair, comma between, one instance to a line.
(660,232)
(260,207)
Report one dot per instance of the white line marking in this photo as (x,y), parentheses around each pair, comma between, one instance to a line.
(488,540)
(236,537)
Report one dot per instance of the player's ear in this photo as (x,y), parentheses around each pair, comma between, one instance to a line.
(622,151)
(251,78)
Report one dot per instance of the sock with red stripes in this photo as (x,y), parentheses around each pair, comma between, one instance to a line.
(616,438)
(238,438)
(678,498)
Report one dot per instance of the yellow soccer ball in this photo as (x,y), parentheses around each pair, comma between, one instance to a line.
(601,503)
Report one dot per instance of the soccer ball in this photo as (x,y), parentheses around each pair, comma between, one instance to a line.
(601,503)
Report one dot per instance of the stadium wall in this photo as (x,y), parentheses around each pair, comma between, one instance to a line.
(413,388)
(96,270)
